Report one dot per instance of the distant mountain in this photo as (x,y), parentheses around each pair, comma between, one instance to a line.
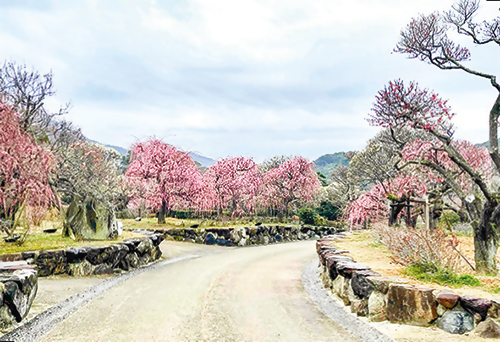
(118,149)
(204,161)
(486,143)
(328,162)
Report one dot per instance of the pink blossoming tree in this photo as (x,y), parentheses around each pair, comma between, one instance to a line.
(165,178)
(234,183)
(24,171)
(456,163)
(426,38)
(292,181)
(372,205)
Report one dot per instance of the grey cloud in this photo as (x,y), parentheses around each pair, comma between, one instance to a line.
(121,73)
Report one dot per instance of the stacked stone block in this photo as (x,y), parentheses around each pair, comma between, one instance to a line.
(246,236)
(380,299)
(18,287)
(89,260)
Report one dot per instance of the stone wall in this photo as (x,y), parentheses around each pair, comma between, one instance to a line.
(18,287)
(84,261)
(369,294)
(19,272)
(246,236)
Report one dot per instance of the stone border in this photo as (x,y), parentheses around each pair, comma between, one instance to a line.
(18,288)
(379,298)
(19,278)
(89,260)
(245,236)
(330,307)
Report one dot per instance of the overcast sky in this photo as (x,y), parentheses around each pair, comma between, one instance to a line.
(235,77)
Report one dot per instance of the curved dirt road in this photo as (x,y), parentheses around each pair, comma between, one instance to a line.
(246,294)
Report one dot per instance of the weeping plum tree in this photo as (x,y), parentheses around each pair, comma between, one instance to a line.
(234,182)
(292,181)
(398,105)
(26,91)
(165,178)
(24,171)
(426,38)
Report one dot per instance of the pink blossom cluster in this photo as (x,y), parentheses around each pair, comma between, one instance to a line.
(233,182)
(373,205)
(293,180)
(398,105)
(160,174)
(477,158)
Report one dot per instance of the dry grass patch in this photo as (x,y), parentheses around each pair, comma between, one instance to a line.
(366,248)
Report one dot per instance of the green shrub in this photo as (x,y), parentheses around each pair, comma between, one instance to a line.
(449,217)
(307,215)
(328,211)
(434,274)
(181,214)
(191,214)
(320,221)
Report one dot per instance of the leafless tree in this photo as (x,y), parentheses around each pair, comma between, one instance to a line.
(26,91)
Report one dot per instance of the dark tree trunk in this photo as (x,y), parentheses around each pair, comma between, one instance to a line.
(494,115)
(396,208)
(8,220)
(163,211)
(486,239)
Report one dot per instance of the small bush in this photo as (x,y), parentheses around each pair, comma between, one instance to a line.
(124,214)
(328,211)
(181,214)
(494,289)
(449,217)
(463,229)
(320,221)
(422,246)
(308,215)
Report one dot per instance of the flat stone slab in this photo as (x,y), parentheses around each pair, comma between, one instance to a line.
(347,268)
(17,292)
(360,285)
(411,305)
(476,305)
(10,266)
(447,298)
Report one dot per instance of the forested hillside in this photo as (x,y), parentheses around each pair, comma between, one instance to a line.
(328,162)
